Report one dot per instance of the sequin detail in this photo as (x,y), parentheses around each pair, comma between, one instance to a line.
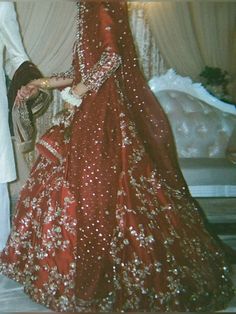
(108,64)
(113,227)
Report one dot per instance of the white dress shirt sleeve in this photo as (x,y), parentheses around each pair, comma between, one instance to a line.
(11,37)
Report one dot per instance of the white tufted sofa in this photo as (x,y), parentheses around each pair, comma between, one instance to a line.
(202,126)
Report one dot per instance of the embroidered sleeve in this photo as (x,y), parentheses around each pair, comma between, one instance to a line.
(105,40)
(102,70)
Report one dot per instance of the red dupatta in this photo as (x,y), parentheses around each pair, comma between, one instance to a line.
(103,28)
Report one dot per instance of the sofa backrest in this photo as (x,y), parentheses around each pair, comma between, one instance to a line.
(202,124)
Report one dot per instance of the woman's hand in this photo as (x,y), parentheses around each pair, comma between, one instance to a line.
(79,90)
(26,92)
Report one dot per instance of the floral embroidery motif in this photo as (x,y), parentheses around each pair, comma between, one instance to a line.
(108,64)
(106,229)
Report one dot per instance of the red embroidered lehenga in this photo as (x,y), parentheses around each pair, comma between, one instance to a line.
(105,221)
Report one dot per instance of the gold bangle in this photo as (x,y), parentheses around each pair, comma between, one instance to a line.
(44,83)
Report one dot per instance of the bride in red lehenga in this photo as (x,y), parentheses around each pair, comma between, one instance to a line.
(105,221)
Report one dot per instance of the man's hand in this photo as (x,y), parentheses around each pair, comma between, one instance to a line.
(26,92)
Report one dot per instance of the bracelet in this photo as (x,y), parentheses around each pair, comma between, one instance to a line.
(67,96)
(45,83)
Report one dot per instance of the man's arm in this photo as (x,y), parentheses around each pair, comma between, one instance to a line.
(10,35)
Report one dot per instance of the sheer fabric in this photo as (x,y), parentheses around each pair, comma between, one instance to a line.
(105,221)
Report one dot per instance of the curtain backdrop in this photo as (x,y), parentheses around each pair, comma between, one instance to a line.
(48,30)
(187,34)
(150,58)
(191,35)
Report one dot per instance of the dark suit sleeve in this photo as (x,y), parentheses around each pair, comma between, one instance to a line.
(26,72)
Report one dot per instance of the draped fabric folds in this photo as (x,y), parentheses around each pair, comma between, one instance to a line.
(203,33)
(48,30)
(105,221)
